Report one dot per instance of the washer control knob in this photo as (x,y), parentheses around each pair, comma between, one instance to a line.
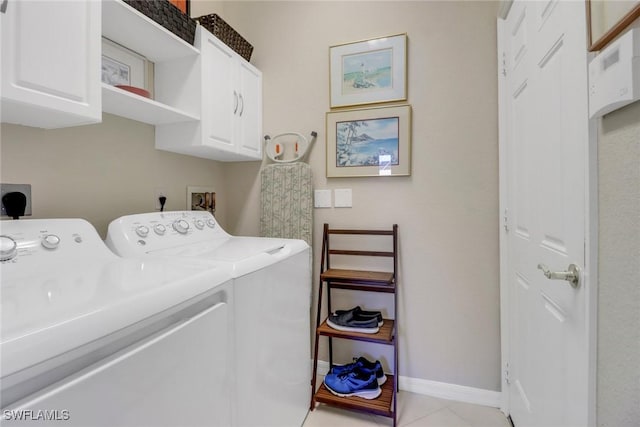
(8,248)
(211,223)
(159,229)
(181,226)
(50,241)
(199,224)
(142,230)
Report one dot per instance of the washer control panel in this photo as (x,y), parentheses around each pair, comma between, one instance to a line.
(41,241)
(143,233)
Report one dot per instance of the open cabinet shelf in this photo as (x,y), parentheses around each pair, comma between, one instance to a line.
(126,104)
(358,280)
(126,26)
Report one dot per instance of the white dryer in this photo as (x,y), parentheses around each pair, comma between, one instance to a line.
(91,339)
(272,291)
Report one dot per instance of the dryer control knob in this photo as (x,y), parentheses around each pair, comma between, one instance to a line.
(181,226)
(199,224)
(50,241)
(142,230)
(8,248)
(211,223)
(159,229)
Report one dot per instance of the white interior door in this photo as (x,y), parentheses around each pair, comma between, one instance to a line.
(546,127)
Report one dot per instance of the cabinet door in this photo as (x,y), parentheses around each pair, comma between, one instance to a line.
(221,99)
(51,63)
(250,113)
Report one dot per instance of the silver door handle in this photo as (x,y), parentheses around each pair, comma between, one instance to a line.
(241,105)
(572,275)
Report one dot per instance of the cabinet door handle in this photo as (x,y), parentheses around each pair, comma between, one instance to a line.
(241,105)
(235,102)
(3,6)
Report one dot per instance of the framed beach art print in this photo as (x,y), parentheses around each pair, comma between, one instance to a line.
(369,142)
(369,71)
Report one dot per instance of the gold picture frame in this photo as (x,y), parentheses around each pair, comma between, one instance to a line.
(369,142)
(368,72)
(606,19)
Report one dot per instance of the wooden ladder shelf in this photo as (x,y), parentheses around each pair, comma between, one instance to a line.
(358,280)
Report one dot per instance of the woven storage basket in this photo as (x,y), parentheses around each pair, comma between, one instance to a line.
(167,15)
(226,34)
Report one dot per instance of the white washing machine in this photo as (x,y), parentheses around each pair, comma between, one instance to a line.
(91,339)
(272,292)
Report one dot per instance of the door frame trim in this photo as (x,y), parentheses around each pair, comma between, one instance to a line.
(502,206)
(590,269)
(591,258)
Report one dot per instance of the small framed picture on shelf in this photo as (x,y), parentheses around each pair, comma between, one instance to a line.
(201,199)
(369,71)
(369,142)
(124,68)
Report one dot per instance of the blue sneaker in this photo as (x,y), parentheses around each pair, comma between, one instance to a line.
(357,382)
(364,365)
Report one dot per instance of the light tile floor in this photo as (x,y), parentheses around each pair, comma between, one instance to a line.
(414,410)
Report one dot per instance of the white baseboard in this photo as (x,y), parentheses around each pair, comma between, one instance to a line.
(323,367)
(447,391)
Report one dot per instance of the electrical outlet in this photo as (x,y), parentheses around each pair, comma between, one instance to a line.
(21,188)
(159,191)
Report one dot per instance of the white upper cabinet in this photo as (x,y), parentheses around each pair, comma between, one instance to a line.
(229,93)
(207,100)
(51,63)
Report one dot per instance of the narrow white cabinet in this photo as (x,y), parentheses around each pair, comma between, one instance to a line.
(249,116)
(51,63)
(230,95)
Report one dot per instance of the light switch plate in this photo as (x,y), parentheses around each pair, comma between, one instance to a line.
(322,198)
(343,198)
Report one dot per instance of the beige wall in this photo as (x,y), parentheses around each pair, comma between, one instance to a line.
(205,7)
(101,172)
(447,210)
(619,269)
